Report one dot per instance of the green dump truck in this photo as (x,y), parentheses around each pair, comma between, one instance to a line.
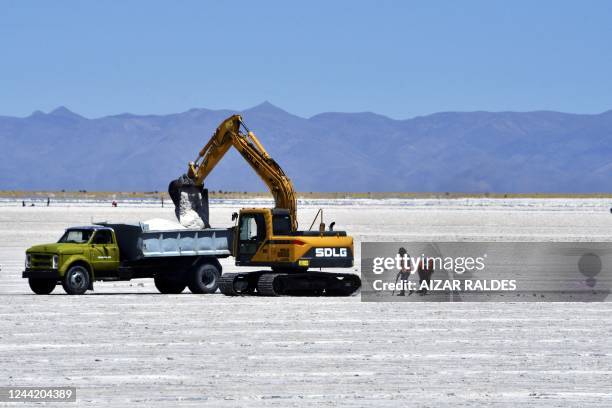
(175,259)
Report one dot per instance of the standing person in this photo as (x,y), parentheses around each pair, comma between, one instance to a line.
(425,270)
(48,201)
(404,273)
(22,203)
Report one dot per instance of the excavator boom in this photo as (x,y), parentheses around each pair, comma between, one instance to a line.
(230,133)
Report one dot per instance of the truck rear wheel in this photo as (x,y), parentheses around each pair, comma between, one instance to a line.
(169,286)
(76,280)
(42,286)
(204,278)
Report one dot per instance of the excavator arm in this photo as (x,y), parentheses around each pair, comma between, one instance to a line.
(229,134)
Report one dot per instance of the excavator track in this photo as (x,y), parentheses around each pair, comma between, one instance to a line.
(268,283)
(237,284)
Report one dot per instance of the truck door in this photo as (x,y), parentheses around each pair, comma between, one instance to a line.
(104,253)
(251,234)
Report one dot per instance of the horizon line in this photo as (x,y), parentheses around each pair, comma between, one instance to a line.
(63,109)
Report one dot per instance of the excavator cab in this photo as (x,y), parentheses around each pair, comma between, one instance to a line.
(251,235)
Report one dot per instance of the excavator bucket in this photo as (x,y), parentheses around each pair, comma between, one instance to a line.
(190,202)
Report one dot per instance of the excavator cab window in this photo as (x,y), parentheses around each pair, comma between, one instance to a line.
(252,233)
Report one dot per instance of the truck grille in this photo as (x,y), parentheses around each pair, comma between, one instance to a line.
(41,261)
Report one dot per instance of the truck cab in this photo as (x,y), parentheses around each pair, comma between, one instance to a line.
(75,260)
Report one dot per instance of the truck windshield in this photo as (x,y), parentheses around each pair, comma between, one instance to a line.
(76,236)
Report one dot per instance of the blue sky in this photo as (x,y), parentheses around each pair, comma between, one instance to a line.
(398,58)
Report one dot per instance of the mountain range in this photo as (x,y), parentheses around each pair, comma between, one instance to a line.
(540,151)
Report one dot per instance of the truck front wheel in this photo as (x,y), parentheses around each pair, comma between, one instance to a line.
(169,286)
(42,286)
(76,280)
(204,278)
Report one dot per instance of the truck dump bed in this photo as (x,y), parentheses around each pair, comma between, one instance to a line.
(187,242)
(136,242)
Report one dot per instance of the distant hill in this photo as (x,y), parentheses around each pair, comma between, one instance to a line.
(454,151)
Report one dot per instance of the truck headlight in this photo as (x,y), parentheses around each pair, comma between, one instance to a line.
(54,261)
(28,260)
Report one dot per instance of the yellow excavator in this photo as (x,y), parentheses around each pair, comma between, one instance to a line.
(268,237)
